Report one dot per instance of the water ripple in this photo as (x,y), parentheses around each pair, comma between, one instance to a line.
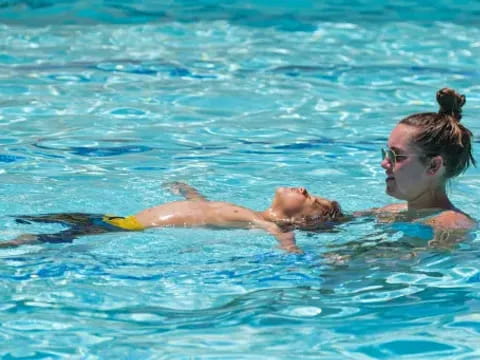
(110,100)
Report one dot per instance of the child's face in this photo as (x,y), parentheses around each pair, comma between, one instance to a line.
(299,204)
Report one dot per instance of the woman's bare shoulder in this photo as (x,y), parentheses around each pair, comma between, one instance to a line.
(451,219)
(392,208)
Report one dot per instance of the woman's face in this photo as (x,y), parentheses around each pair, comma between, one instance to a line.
(407,177)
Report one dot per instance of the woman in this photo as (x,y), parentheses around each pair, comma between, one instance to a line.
(424,152)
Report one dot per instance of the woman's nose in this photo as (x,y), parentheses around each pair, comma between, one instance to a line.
(386,164)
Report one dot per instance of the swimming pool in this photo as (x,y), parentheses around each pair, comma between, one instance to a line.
(103,101)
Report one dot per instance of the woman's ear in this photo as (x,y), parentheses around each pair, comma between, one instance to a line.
(436,163)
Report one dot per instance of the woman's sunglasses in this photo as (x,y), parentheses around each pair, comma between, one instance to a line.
(392,156)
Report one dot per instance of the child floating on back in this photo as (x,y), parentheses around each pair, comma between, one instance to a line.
(291,208)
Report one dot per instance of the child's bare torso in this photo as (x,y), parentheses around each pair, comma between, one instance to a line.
(198,213)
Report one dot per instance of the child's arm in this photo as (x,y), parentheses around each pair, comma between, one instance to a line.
(287,242)
(188,192)
(286,239)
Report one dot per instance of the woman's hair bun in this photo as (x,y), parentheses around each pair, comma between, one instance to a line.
(450,102)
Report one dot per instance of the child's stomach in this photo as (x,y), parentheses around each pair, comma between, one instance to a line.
(196,214)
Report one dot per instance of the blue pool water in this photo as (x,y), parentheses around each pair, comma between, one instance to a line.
(103,101)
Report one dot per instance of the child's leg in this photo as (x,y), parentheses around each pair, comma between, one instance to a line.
(79,225)
(20,240)
(71,219)
(65,236)
(190,193)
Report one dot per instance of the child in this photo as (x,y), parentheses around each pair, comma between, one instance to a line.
(291,208)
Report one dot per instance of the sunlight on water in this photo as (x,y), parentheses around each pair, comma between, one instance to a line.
(104,101)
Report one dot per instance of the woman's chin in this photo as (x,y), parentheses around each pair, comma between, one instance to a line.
(391,190)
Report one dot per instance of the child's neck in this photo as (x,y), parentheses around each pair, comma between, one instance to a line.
(274,215)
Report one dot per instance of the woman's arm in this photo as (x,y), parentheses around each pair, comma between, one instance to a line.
(450,227)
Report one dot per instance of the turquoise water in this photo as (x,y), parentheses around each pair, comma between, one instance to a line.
(103,101)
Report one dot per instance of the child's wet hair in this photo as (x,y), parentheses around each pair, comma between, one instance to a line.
(324,218)
(441,133)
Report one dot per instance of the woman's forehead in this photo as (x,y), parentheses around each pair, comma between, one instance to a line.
(401,137)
